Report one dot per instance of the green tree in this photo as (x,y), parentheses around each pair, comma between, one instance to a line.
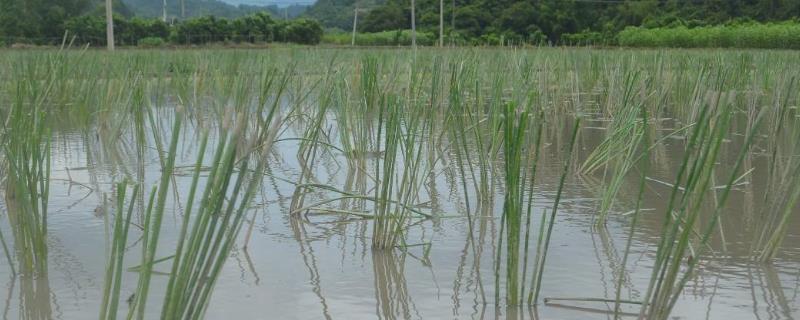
(303,31)
(389,17)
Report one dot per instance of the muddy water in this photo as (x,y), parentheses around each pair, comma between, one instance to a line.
(321,266)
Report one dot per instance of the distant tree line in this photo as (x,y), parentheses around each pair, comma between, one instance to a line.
(559,21)
(48,21)
(465,22)
(180,9)
(41,19)
(256,28)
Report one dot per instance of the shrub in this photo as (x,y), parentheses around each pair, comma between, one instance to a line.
(202,30)
(384,38)
(585,38)
(303,31)
(87,29)
(783,35)
(137,29)
(259,27)
(151,42)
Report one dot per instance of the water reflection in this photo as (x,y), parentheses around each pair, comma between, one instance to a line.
(310,262)
(392,298)
(766,282)
(34,297)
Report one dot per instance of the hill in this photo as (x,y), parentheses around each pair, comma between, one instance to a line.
(197,8)
(338,13)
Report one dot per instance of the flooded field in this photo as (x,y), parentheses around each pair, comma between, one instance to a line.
(440,184)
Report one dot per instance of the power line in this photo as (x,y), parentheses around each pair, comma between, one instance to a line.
(270,3)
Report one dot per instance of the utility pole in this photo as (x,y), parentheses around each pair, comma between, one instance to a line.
(441,23)
(453,16)
(164,10)
(355,23)
(183,8)
(109,25)
(413,26)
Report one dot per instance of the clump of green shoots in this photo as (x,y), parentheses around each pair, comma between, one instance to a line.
(521,149)
(675,259)
(543,242)
(618,152)
(515,141)
(113,277)
(203,250)
(401,170)
(26,152)
(207,233)
(474,131)
(783,191)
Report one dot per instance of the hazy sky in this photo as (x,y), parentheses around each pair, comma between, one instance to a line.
(268,2)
